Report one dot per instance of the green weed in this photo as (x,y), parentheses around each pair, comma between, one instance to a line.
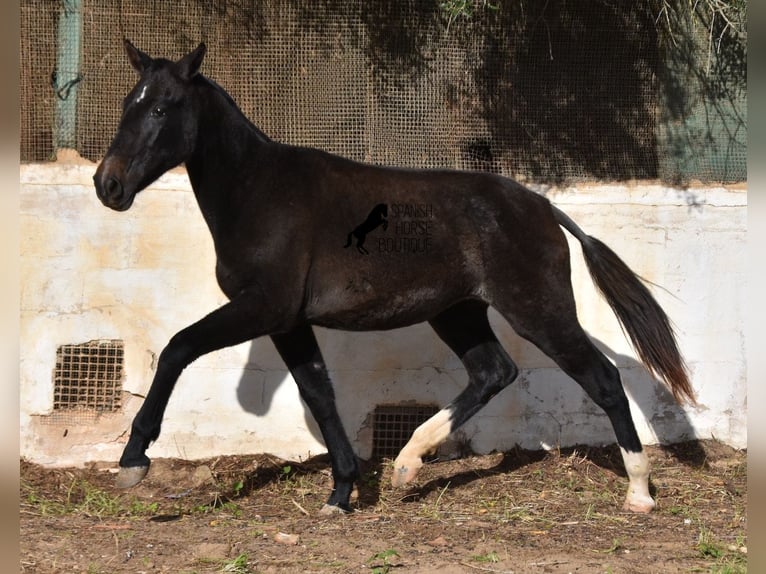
(141,508)
(380,563)
(616,545)
(727,561)
(237,565)
(490,557)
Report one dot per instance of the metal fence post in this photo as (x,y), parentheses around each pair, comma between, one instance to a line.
(67,75)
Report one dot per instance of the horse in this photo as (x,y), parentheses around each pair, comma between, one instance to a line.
(274,212)
(375,219)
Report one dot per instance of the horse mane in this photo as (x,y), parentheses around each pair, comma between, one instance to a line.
(205,81)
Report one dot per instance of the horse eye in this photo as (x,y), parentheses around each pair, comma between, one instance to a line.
(158,112)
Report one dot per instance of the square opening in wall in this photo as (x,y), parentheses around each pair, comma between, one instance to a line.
(88,377)
(393,426)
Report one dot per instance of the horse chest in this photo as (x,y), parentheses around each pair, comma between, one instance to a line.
(267,270)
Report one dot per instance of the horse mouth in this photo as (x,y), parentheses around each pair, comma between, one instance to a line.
(123,205)
(112,193)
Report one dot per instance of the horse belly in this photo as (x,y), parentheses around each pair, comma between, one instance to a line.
(361,306)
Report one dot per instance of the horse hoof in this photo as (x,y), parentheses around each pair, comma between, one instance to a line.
(130,476)
(331,510)
(404,473)
(639,505)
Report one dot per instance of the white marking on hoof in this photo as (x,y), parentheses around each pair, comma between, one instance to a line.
(405,469)
(637,467)
(332,510)
(426,438)
(130,476)
(638,504)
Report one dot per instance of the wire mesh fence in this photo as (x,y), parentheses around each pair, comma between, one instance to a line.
(87,382)
(551,92)
(393,426)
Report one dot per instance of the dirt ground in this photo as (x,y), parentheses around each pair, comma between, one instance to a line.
(518,511)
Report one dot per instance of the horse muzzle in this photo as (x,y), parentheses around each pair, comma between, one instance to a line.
(110,188)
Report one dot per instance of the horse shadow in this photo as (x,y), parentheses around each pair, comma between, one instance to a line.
(262,376)
(668,421)
(375,219)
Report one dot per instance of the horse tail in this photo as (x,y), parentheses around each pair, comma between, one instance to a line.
(348,241)
(646,324)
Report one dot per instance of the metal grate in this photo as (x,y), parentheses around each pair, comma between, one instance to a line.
(88,377)
(393,426)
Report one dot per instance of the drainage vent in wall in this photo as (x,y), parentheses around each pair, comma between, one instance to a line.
(88,378)
(393,426)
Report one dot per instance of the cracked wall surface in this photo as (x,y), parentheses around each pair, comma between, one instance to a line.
(90,273)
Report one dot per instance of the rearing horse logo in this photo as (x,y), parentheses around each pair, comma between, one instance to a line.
(376,218)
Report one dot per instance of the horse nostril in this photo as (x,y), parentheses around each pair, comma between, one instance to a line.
(113,188)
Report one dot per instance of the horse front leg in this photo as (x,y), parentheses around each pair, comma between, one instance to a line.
(300,351)
(240,320)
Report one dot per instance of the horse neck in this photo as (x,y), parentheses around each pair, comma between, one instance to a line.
(227,143)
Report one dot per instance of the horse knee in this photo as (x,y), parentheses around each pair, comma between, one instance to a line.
(177,354)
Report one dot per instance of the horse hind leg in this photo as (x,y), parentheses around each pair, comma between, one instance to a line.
(553,327)
(466,330)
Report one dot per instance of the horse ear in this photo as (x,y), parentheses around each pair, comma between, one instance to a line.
(138,59)
(190,63)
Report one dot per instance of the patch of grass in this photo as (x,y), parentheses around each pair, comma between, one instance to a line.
(96,502)
(519,513)
(219,504)
(237,565)
(433,510)
(489,557)
(44,506)
(735,568)
(380,563)
(616,545)
(141,508)
(81,497)
(727,560)
(294,480)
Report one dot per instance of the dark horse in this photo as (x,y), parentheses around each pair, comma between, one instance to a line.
(376,218)
(275,212)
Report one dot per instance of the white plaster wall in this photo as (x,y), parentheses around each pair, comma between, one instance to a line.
(91,273)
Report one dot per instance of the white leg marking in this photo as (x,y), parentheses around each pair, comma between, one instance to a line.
(426,438)
(637,467)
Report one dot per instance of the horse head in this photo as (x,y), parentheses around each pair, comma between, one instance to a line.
(157,130)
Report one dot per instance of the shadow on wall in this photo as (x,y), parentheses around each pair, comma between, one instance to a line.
(261,378)
(665,417)
(667,421)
